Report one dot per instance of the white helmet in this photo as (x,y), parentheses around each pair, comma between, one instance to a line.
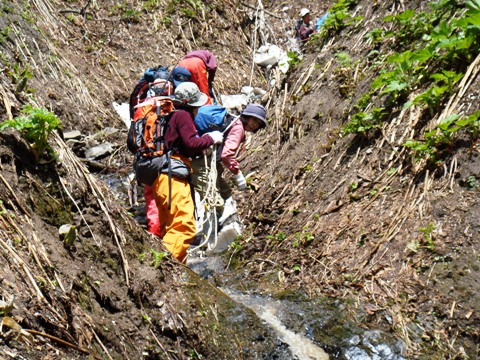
(304,12)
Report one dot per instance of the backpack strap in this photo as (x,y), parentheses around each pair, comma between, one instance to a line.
(169,162)
(228,127)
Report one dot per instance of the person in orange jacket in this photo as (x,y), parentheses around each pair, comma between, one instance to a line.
(202,66)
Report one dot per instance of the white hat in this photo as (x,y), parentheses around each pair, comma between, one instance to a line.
(304,12)
(189,94)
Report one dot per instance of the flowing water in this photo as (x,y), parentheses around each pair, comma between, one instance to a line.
(300,346)
(312,328)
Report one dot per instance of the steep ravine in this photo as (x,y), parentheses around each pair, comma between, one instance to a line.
(348,235)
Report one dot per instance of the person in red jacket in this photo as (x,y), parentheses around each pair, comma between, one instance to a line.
(202,66)
(172,188)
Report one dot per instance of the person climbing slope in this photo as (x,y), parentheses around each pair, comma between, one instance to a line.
(202,65)
(160,86)
(252,119)
(304,27)
(173,195)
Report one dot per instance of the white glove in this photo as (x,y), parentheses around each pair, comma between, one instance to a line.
(217,137)
(241,182)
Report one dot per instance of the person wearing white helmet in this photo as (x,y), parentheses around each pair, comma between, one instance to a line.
(304,27)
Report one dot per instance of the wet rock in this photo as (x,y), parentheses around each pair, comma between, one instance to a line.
(99,151)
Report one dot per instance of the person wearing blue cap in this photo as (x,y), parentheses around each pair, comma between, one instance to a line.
(252,119)
(180,75)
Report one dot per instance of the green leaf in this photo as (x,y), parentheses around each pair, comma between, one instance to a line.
(396,86)
(407,105)
(473,5)
(423,55)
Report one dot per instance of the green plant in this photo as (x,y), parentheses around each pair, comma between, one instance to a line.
(235,246)
(166,20)
(293,58)
(303,238)
(307,168)
(344,59)
(362,122)
(406,68)
(20,77)
(279,237)
(392,171)
(375,36)
(4,34)
(157,257)
(35,126)
(146,319)
(188,12)
(443,135)
(151,5)
(472,182)
(433,96)
(427,235)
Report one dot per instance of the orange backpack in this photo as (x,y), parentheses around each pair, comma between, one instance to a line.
(147,129)
(146,138)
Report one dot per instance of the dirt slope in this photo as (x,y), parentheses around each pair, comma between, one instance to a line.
(357,216)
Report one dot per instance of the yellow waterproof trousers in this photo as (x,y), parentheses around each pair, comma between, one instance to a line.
(177,225)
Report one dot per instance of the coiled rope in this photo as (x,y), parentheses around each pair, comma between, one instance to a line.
(209,203)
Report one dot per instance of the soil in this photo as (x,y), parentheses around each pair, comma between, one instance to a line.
(327,216)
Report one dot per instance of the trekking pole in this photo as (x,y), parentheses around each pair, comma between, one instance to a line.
(214,96)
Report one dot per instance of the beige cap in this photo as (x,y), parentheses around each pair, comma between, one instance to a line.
(188,94)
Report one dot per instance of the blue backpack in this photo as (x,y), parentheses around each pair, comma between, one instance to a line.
(211,118)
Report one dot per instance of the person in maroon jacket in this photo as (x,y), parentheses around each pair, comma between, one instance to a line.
(172,188)
(304,27)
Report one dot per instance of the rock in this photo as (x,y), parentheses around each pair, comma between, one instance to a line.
(99,151)
(72,135)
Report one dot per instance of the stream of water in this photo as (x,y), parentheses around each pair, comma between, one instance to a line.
(300,346)
(302,323)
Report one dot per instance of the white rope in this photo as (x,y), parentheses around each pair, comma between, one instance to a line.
(209,202)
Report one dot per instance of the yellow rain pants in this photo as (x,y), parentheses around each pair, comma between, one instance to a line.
(177,225)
